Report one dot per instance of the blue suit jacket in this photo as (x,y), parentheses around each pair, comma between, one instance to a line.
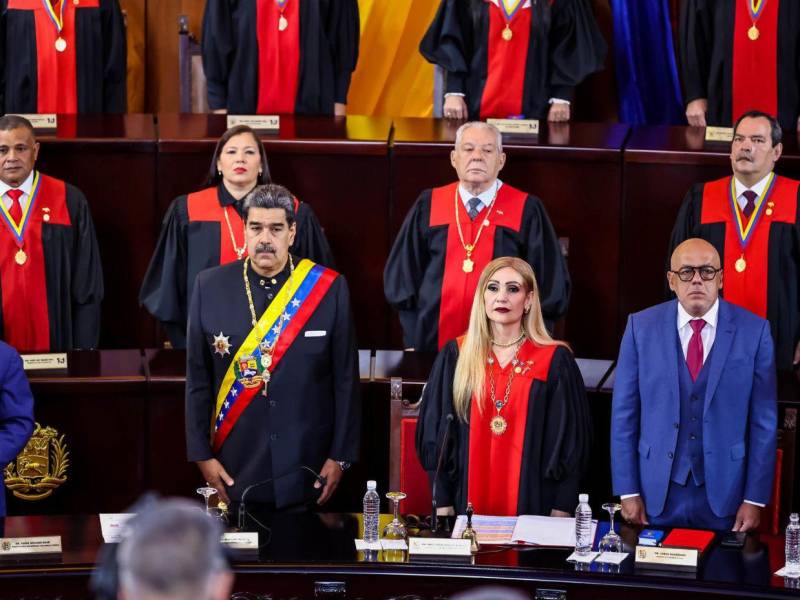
(16,411)
(739,411)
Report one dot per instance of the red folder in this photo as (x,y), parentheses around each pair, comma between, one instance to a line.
(689,538)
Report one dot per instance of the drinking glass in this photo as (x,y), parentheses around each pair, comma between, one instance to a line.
(206,492)
(395,530)
(611,542)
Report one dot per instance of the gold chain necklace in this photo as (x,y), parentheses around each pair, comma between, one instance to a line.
(268,349)
(498,424)
(239,250)
(509,344)
(468,265)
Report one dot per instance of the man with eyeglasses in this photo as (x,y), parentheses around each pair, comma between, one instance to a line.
(751,218)
(694,411)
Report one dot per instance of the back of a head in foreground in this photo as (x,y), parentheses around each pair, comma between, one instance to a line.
(172,551)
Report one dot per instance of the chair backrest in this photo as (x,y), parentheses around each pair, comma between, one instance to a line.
(193,87)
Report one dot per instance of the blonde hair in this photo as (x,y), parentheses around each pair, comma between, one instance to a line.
(470,372)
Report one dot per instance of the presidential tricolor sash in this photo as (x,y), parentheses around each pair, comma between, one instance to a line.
(245,376)
(18,229)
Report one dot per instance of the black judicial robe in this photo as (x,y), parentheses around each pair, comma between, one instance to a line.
(185,248)
(783,267)
(557,439)
(706,54)
(312,411)
(414,272)
(329,37)
(565,47)
(72,271)
(100,59)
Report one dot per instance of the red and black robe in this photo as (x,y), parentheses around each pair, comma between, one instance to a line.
(52,301)
(424,280)
(769,284)
(252,66)
(721,63)
(195,236)
(88,76)
(537,464)
(555,44)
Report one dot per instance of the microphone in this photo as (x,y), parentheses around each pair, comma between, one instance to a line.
(240,516)
(440,460)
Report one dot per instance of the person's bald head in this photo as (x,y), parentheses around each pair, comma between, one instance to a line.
(699,262)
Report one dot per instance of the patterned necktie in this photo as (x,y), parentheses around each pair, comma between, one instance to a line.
(751,203)
(473,211)
(15,212)
(694,353)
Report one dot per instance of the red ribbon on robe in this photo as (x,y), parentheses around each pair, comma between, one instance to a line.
(26,320)
(748,289)
(495,461)
(278,56)
(505,64)
(755,62)
(458,287)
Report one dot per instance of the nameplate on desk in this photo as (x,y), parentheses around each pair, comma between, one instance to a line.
(112,526)
(719,134)
(256,122)
(30,545)
(667,557)
(516,126)
(439,547)
(240,540)
(45,362)
(41,122)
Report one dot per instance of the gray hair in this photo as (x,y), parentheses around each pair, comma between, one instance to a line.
(10,122)
(270,195)
(481,125)
(172,550)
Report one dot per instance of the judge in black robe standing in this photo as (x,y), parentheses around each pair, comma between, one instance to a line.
(205,229)
(272,387)
(280,56)
(51,280)
(513,58)
(81,47)
(452,232)
(521,435)
(733,55)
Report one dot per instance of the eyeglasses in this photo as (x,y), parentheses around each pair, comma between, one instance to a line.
(686,274)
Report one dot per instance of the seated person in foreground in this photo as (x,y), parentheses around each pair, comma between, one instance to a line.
(522,432)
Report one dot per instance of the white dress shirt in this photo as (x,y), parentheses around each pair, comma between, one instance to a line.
(26,187)
(485,197)
(742,188)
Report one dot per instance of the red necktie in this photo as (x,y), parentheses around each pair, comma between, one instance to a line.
(694,353)
(15,212)
(751,196)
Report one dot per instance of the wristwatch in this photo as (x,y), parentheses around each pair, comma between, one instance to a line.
(343,465)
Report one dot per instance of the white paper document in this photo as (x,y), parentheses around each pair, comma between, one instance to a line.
(547,531)
(112,526)
(361,545)
(582,558)
(490,530)
(612,558)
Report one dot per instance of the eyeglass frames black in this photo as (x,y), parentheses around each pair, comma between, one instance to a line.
(686,274)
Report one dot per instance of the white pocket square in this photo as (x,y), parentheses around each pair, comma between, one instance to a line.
(316,333)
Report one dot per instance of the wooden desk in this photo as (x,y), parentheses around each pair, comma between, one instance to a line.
(305,550)
(576,169)
(340,166)
(112,160)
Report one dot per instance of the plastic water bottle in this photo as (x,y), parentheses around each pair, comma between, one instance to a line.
(793,546)
(372,509)
(583,525)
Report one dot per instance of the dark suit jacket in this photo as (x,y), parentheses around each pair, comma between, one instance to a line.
(16,410)
(739,414)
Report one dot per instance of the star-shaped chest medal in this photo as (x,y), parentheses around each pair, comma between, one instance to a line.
(221,344)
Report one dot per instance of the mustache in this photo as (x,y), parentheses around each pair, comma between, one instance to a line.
(744,156)
(265,248)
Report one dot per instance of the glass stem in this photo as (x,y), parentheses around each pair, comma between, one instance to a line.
(611,521)
(396,511)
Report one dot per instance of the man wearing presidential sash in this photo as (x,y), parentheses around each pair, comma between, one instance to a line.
(51,282)
(272,368)
(751,218)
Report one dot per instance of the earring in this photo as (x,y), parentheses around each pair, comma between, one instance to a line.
(527,310)
(219,173)
(259,173)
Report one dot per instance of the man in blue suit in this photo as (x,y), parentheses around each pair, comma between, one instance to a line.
(16,411)
(694,411)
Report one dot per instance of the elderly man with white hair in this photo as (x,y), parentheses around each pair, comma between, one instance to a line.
(452,232)
(172,551)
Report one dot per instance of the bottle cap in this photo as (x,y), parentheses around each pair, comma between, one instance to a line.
(371,485)
(794,517)
(583,497)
